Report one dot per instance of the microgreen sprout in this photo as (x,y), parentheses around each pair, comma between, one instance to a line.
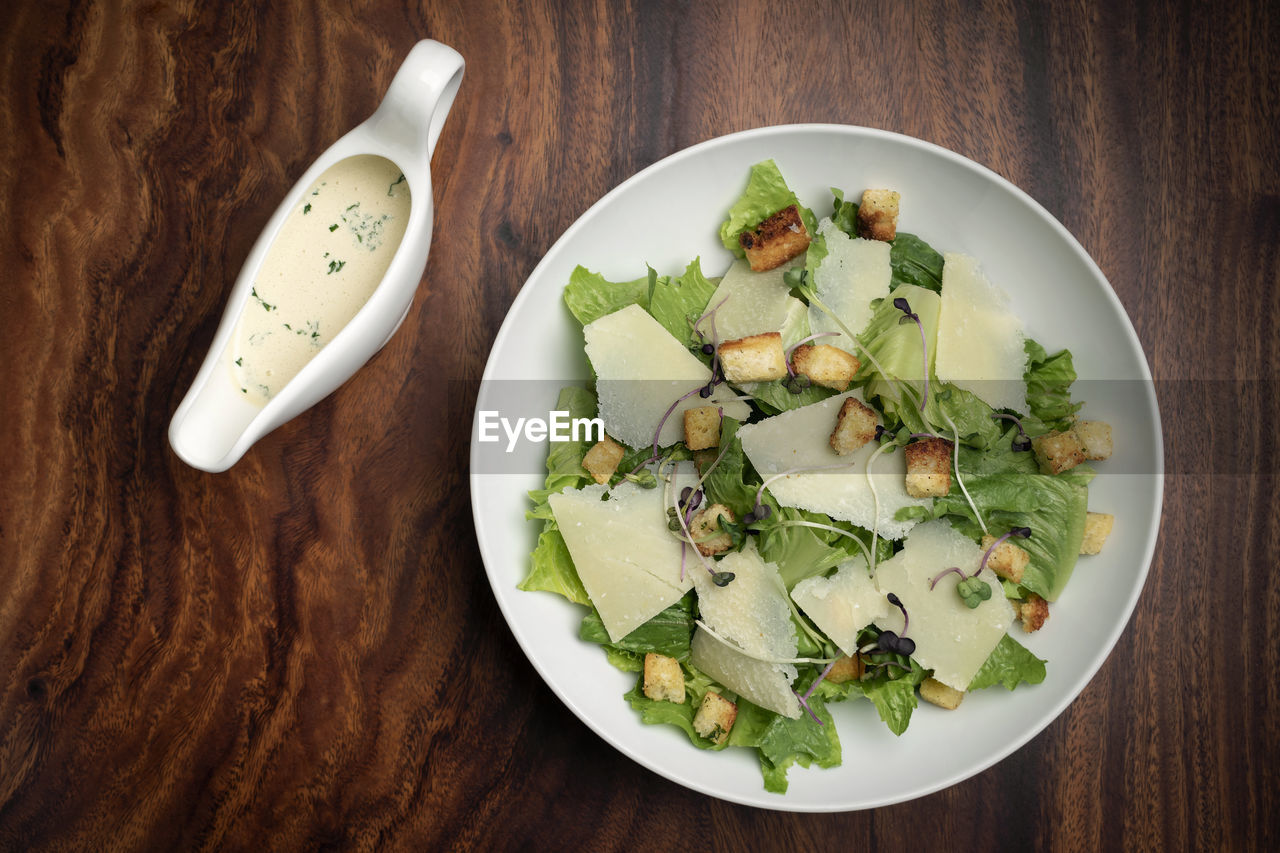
(645,478)
(910,316)
(1023,442)
(804,703)
(796,383)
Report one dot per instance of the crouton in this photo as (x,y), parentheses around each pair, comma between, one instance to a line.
(1097,527)
(934,691)
(756,358)
(845,669)
(1095,438)
(825,365)
(663,679)
(928,468)
(708,536)
(715,717)
(776,240)
(602,459)
(855,426)
(1032,612)
(702,427)
(1058,451)
(1008,561)
(878,215)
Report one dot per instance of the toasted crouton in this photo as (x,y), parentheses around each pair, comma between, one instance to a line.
(932,690)
(602,459)
(1008,561)
(715,717)
(845,669)
(756,358)
(702,427)
(825,365)
(1097,527)
(663,679)
(855,426)
(708,536)
(928,468)
(776,240)
(1095,438)
(1032,612)
(1058,451)
(878,215)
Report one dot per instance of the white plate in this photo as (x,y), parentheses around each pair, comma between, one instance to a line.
(669,213)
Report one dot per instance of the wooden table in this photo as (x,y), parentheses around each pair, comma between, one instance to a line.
(303,652)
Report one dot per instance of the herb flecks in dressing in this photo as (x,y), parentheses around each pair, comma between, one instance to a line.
(327,260)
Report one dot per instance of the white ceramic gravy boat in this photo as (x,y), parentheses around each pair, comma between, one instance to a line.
(214,425)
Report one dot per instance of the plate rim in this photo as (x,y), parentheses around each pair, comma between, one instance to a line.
(1150,404)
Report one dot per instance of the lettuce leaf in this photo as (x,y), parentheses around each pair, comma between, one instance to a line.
(782,741)
(766,193)
(655,713)
(678,302)
(668,633)
(1010,664)
(1049,379)
(590,295)
(913,261)
(895,347)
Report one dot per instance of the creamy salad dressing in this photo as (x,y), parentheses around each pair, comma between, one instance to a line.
(327,260)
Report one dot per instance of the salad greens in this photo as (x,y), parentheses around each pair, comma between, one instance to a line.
(1002,490)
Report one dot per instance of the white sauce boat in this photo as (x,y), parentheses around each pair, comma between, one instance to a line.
(214,425)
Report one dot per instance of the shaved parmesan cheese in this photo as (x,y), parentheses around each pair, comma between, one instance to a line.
(753,303)
(641,370)
(980,341)
(800,438)
(752,613)
(843,604)
(854,272)
(951,639)
(628,561)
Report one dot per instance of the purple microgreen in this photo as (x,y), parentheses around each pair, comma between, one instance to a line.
(1023,442)
(902,305)
(712,315)
(804,703)
(881,667)
(897,602)
(822,675)
(1020,532)
(722,578)
(684,552)
(942,574)
(920,435)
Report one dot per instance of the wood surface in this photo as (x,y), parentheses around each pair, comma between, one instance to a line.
(303,653)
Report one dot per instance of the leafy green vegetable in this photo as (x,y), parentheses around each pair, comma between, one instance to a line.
(1010,664)
(677,303)
(766,193)
(844,214)
(1049,379)
(590,296)
(1053,507)
(655,712)
(913,261)
(667,633)
(895,347)
(782,741)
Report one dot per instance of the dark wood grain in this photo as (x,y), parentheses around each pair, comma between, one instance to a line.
(303,653)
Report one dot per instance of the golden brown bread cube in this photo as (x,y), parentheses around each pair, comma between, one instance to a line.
(855,426)
(756,358)
(708,537)
(663,678)
(715,717)
(1032,612)
(825,365)
(776,240)
(702,427)
(878,215)
(845,669)
(1058,451)
(1095,438)
(1097,527)
(928,467)
(602,459)
(1008,561)
(940,694)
